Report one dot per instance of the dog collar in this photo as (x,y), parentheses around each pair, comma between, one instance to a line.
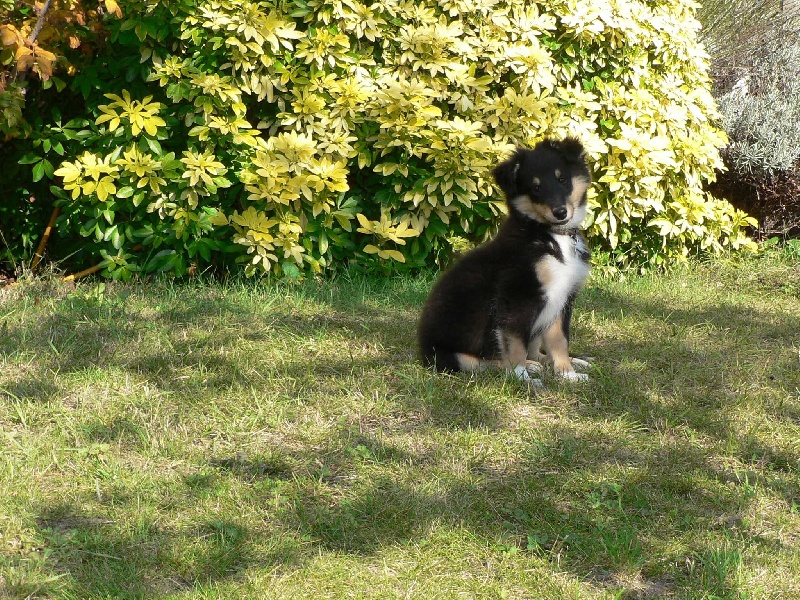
(572,232)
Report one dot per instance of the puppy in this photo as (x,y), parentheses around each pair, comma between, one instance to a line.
(508,303)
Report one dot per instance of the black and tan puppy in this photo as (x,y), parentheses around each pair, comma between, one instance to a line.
(508,302)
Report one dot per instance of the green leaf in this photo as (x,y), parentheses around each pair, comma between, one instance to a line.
(125,192)
(38,171)
(58,192)
(154,146)
(87,228)
(291,271)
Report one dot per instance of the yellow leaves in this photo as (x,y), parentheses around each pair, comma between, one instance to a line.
(89,175)
(238,128)
(216,86)
(27,55)
(437,48)
(253,231)
(143,167)
(113,8)
(401,95)
(140,115)
(666,227)
(69,171)
(255,221)
(361,20)
(295,148)
(349,95)
(287,171)
(10,36)
(35,58)
(202,168)
(105,187)
(746,220)
(169,69)
(138,163)
(700,218)
(305,104)
(323,47)
(248,22)
(333,175)
(265,235)
(385,230)
(278,32)
(386,254)
(218,219)
(530,22)
(389,168)
(513,106)
(411,103)
(532,61)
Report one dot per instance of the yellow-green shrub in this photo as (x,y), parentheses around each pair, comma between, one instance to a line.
(314,132)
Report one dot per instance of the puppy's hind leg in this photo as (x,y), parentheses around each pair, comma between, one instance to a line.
(450,362)
(470,363)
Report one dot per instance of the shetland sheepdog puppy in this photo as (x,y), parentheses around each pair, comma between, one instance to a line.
(508,303)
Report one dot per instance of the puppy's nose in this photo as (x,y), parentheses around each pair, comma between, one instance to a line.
(560,213)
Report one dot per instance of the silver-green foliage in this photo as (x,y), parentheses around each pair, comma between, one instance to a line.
(755,57)
(762,113)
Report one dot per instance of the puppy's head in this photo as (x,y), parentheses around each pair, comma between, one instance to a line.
(547,183)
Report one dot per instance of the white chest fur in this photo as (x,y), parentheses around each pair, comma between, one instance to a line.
(560,278)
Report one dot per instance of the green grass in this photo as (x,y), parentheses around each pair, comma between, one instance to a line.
(274,441)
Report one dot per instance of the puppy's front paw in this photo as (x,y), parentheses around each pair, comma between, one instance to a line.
(573,376)
(523,373)
(533,366)
(581,364)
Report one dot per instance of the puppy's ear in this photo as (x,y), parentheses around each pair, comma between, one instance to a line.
(505,174)
(571,149)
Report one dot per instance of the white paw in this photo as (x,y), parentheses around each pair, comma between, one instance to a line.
(573,376)
(533,366)
(580,364)
(523,373)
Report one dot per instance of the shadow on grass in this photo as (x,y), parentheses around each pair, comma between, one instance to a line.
(326,496)
(187,330)
(101,560)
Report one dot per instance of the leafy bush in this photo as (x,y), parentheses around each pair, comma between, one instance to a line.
(289,136)
(37,40)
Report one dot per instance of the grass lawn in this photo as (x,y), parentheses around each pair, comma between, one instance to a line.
(254,440)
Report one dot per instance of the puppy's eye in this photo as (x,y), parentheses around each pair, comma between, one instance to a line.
(562,179)
(536,188)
